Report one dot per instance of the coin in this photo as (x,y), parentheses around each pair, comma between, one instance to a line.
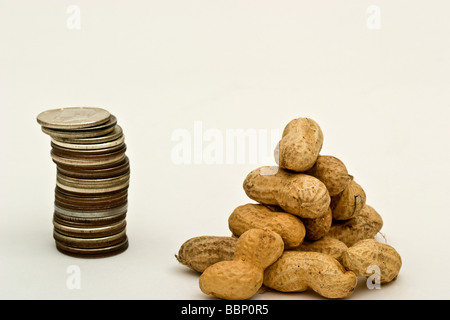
(93,253)
(115,134)
(90,243)
(77,134)
(92,215)
(98,162)
(89,231)
(76,221)
(73,117)
(114,170)
(92,146)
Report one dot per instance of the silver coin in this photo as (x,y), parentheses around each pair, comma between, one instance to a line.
(93,146)
(115,134)
(77,134)
(87,162)
(91,214)
(73,117)
(91,231)
(93,183)
(100,242)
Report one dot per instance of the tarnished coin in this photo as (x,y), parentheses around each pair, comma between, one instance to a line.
(93,146)
(114,170)
(93,253)
(96,161)
(86,153)
(99,203)
(91,214)
(87,222)
(89,231)
(73,117)
(77,134)
(115,134)
(90,243)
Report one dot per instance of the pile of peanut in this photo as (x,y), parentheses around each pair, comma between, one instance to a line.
(310,228)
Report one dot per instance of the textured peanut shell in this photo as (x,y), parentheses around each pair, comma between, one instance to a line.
(201,252)
(319,227)
(332,172)
(370,252)
(327,245)
(231,280)
(259,247)
(242,277)
(349,202)
(296,193)
(296,271)
(300,145)
(249,216)
(365,225)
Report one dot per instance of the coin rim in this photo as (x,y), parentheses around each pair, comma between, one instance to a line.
(84,124)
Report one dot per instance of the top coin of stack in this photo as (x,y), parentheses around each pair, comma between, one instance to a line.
(93,172)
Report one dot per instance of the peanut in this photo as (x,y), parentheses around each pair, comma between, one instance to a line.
(201,252)
(249,216)
(296,193)
(296,271)
(365,225)
(349,202)
(330,246)
(300,145)
(318,227)
(332,172)
(242,277)
(370,252)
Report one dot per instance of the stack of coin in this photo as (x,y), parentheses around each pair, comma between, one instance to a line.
(92,179)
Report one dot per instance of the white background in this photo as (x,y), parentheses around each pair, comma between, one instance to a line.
(381,97)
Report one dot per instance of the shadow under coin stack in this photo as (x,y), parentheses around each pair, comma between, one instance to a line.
(93,172)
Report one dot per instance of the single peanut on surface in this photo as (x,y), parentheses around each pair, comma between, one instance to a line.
(242,277)
(365,253)
(296,193)
(349,202)
(249,216)
(201,252)
(332,172)
(364,225)
(296,271)
(300,145)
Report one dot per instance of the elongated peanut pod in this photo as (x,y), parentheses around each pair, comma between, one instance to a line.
(198,253)
(296,193)
(249,216)
(296,271)
(242,277)
(368,253)
(364,225)
(300,145)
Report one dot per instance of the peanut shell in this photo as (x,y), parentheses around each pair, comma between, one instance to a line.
(366,253)
(248,216)
(296,271)
(300,145)
(296,193)
(332,172)
(198,253)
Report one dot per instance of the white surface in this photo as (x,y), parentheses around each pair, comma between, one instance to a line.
(381,97)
